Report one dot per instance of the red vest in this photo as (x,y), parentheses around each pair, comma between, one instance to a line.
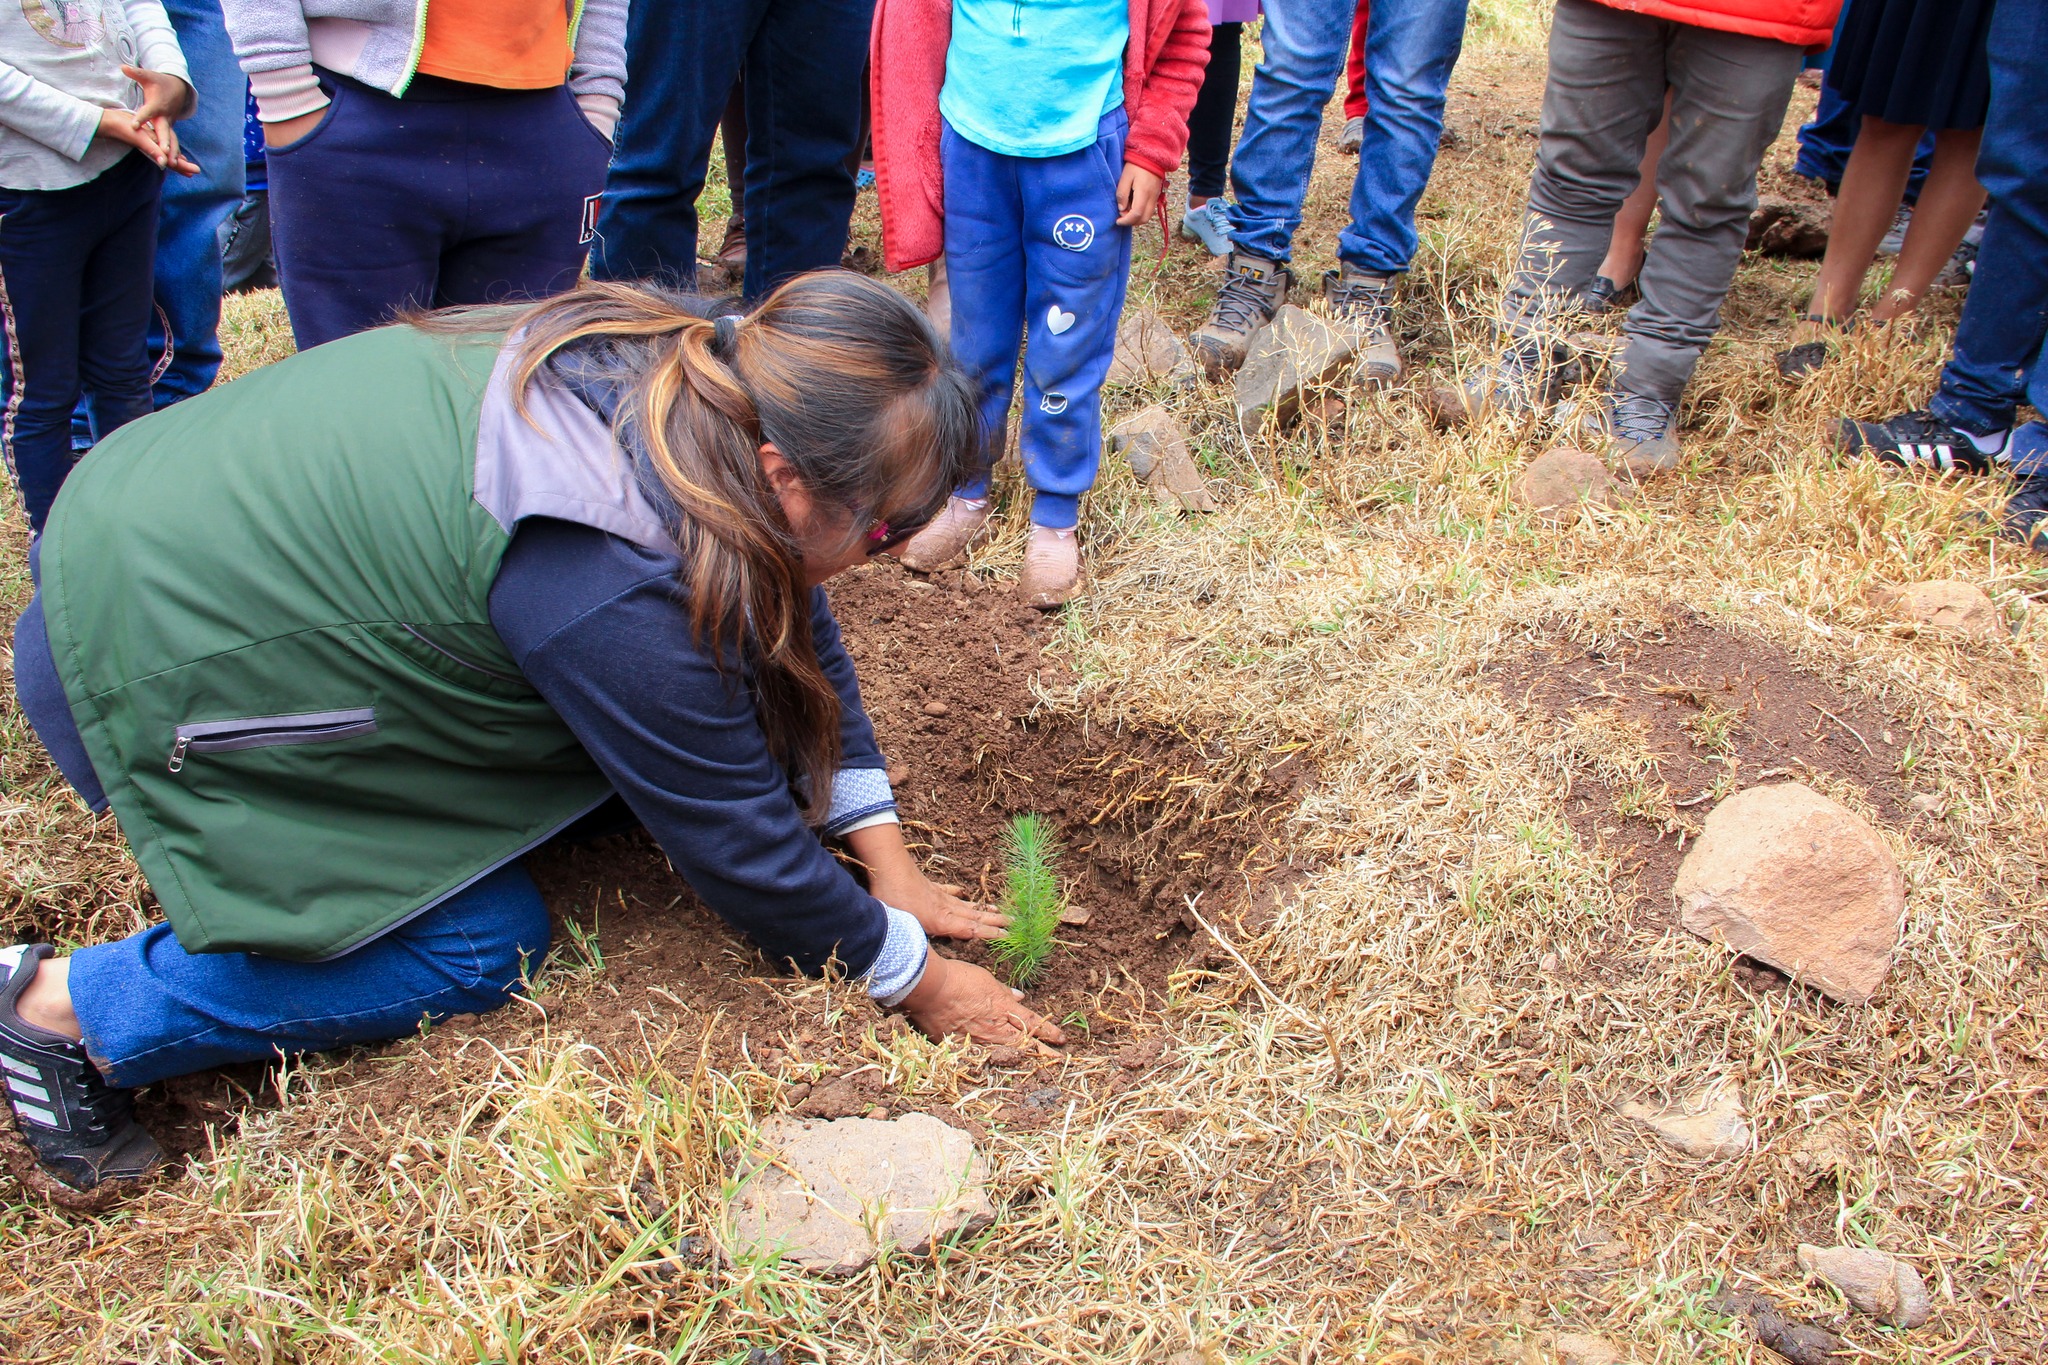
(1806,23)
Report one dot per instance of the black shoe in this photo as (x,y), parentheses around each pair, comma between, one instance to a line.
(1797,362)
(82,1130)
(1916,440)
(1604,295)
(2025,519)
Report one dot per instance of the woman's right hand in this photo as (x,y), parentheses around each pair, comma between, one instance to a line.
(959,997)
(289,130)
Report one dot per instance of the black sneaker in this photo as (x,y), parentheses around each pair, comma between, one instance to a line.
(1916,440)
(2025,518)
(82,1130)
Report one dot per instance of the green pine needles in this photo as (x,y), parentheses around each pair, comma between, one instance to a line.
(1031,898)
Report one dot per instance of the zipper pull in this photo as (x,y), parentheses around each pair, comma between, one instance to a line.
(178,752)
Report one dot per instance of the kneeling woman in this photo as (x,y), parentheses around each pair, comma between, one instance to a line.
(342,640)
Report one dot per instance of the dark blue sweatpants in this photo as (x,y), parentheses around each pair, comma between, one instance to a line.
(75,268)
(455,194)
(1033,250)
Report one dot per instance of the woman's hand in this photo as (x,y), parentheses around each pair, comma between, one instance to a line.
(895,879)
(284,132)
(1137,194)
(960,998)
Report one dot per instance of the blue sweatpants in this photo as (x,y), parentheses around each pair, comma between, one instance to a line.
(1033,250)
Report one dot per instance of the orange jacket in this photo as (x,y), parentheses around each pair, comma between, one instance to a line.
(1163,66)
(1807,23)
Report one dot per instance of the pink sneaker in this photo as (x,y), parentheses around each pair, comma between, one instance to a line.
(949,537)
(1052,568)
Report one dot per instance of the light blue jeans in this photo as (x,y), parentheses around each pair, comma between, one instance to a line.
(1410,48)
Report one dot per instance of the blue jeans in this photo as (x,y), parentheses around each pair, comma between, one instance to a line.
(149,1009)
(1410,48)
(188,281)
(74,289)
(803,61)
(1033,250)
(2002,339)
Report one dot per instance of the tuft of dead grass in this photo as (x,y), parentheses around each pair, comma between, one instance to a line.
(1420,1157)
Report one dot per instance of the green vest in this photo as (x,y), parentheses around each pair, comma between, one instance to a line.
(270,609)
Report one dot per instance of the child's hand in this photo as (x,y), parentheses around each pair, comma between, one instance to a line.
(1137,194)
(163,95)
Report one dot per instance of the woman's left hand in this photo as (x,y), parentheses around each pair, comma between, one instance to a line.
(939,907)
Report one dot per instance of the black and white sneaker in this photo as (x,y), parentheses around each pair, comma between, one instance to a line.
(1920,440)
(81,1130)
(2025,518)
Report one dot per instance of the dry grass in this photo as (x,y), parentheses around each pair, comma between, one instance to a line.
(1466,1188)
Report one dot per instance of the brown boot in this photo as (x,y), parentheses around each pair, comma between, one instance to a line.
(1052,568)
(951,535)
(732,252)
(1253,290)
(1363,305)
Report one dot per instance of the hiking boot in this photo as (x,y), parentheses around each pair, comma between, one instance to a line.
(1052,568)
(1527,378)
(1253,290)
(1894,239)
(1364,305)
(1353,136)
(81,1130)
(1209,225)
(2025,519)
(1640,431)
(732,252)
(1920,440)
(952,533)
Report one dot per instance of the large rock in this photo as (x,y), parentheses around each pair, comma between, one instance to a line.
(1873,1282)
(1708,1125)
(1947,604)
(1557,481)
(1786,227)
(829,1196)
(1147,349)
(1295,351)
(1157,450)
(1790,878)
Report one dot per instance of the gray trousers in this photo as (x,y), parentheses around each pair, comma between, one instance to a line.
(1609,70)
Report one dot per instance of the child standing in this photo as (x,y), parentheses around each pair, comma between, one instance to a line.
(1024,139)
(88,89)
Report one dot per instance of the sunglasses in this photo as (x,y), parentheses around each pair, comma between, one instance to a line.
(882,537)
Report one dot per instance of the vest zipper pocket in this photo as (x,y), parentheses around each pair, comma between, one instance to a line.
(264,732)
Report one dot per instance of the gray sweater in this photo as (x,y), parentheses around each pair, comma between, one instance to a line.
(378,43)
(60,66)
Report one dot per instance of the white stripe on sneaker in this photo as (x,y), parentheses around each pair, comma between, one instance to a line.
(20,1068)
(10,957)
(36,1115)
(27,1091)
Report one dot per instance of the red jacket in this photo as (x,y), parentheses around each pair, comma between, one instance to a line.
(1807,23)
(1163,66)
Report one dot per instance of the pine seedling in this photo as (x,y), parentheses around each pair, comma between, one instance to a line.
(1031,898)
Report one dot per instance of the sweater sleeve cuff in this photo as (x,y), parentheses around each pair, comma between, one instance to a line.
(602,111)
(291,93)
(900,965)
(860,797)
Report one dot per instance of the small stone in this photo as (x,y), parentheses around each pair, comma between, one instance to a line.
(1788,877)
(1947,604)
(937,708)
(1295,351)
(1786,227)
(878,1114)
(1548,964)
(1798,1342)
(1927,803)
(1558,481)
(1146,349)
(1825,1151)
(1873,1282)
(830,1196)
(1156,448)
(1075,915)
(1583,1348)
(897,774)
(1006,1056)
(1709,1125)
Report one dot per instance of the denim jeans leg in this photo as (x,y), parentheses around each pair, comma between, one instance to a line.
(1410,48)
(805,73)
(150,1010)
(188,273)
(681,58)
(2000,339)
(1304,42)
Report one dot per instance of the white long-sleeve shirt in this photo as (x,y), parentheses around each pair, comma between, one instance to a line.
(60,66)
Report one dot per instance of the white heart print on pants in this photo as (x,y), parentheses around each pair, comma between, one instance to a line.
(1056,321)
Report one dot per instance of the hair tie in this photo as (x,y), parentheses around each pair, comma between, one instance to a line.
(725,331)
